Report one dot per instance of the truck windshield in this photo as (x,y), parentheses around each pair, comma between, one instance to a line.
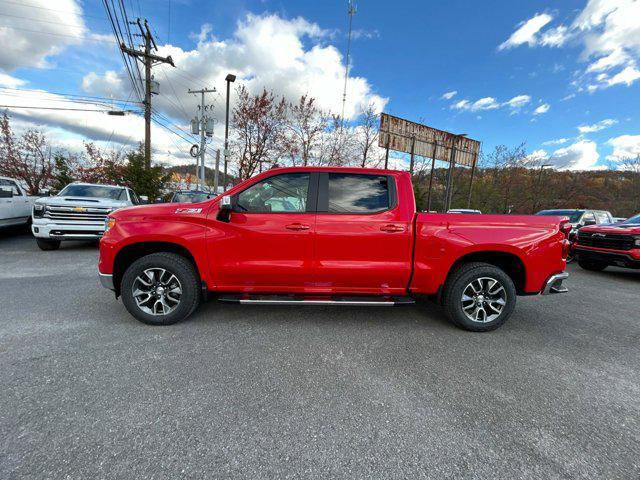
(574,215)
(94,191)
(632,221)
(193,197)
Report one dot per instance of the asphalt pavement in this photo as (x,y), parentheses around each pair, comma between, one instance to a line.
(255,392)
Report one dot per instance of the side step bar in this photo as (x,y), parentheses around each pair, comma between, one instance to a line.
(358,301)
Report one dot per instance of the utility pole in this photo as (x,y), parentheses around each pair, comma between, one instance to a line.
(351,11)
(148,59)
(206,128)
(230,78)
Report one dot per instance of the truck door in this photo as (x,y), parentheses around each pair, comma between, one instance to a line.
(267,245)
(363,234)
(6,203)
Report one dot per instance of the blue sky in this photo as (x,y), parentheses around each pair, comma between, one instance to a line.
(531,72)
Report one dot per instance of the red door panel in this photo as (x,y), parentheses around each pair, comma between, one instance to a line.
(265,252)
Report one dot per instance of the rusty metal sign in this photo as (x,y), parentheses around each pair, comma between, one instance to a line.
(411,137)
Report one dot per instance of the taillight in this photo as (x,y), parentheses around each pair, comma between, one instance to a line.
(566,249)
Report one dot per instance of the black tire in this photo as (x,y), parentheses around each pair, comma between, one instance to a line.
(177,265)
(592,266)
(46,245)
(458,283)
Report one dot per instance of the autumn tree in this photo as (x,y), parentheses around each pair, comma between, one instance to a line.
(26,158)
(258,124)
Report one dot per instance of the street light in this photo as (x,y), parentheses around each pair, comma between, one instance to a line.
(230,78)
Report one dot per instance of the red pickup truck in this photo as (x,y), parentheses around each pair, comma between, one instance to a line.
(618,244)
(328,236)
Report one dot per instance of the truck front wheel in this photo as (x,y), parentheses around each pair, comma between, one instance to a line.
(44,244)
(160,288)
(479,297)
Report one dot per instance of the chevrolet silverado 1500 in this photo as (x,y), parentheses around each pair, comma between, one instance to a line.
(328,236)
(78,212)
(600,246)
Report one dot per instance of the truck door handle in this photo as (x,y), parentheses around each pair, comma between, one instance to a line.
(392,228)
(297,226)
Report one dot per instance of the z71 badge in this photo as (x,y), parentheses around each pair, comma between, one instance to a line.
(188,210)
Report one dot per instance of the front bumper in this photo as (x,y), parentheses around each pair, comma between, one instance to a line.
(106,279)
(622,258)
(67,231)
(554,284)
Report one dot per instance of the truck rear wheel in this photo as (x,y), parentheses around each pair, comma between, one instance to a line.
(479,297)
(44,244)
(160,289)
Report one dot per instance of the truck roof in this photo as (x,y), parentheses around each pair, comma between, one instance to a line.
(378,171)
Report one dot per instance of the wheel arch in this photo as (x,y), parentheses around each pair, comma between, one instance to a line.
(132,252)
(510,263)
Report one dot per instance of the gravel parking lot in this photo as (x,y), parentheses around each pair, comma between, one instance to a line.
(86,391)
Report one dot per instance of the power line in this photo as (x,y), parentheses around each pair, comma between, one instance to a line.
(79,37)
(69,12)
(29,107)
(92,97)
(43,21)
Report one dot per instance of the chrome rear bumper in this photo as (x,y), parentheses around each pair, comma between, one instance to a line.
(554,284)
(106,280)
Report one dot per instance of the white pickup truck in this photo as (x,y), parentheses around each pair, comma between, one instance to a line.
(78,212)
(15,204)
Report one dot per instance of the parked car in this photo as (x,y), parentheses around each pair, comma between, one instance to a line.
(15,204)
(191,196)
(464,210)
(78,212)
(579,219)
(600,246)
(328,236)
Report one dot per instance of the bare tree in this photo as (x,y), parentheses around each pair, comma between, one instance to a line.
(305,125)
(338,144)
(366,134)
(258,123)
(27,158)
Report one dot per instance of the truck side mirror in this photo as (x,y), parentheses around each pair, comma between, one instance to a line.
(144,199)
(6,193)
(225,203)
(224,215)
(588,222)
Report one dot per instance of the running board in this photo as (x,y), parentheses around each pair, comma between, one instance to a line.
(358,301)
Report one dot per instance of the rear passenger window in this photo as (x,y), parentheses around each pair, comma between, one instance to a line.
(355,193)
(602,217)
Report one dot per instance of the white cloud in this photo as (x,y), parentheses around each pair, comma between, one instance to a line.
(582,155)
(609,33)
(9,81)
(518,101)
(486,103)
(491,103)
(544,108)
(624,147)
(449,95)
(559,141)
(527,32)
(596,127)
(27,42)
(265,51)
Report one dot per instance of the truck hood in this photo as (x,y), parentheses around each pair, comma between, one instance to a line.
(81,202)
(163,209)
(629,229)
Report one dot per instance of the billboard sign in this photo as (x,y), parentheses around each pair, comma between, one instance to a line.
(411,137)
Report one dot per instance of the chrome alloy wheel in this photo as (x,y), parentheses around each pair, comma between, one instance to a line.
(483,300)
(157,291)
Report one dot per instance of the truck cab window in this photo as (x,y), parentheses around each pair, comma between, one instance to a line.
(357,193)
(285,193)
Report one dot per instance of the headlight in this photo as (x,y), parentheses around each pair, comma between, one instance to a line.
(109,223)
(38,210)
